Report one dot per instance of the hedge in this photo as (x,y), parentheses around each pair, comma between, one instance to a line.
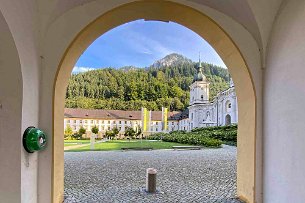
(208,137)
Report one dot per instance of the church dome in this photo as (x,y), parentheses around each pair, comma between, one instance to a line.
(199,76)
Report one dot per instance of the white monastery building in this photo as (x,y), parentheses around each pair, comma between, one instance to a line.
(200,113)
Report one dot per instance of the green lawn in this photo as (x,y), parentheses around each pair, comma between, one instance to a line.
(75,142)
(118,144)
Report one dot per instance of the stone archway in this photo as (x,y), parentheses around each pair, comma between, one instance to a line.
(203,26)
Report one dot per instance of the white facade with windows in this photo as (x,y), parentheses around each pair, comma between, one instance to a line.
(106,120)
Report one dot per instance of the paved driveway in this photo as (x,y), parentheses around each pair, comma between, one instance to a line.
(207,175)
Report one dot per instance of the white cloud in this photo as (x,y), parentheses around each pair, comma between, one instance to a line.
(81,69)
(146,45)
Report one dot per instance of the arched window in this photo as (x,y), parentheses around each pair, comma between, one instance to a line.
(228,106)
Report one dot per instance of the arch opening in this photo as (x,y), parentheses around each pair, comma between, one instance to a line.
(203,26)
(228,119)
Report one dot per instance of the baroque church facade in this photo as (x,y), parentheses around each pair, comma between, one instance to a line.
(202,112)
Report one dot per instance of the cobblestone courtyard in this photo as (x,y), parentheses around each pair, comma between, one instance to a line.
(207,175)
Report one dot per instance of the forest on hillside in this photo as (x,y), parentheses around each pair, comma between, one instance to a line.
(132,88)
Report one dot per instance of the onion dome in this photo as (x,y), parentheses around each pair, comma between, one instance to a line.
(199,76)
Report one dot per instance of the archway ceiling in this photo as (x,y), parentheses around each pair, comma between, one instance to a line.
(256,16)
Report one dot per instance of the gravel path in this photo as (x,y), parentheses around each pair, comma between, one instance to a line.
(207,175)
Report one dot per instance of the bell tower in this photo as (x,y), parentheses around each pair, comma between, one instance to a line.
(199,89)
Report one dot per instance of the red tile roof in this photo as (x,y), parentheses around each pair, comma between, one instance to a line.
(116,114)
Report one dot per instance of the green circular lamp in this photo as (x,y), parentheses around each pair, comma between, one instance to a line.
(34,139)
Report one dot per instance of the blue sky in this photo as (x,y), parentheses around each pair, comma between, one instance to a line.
(140,43)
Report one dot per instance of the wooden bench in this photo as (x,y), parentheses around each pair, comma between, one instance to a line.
(137,148)
(187,147)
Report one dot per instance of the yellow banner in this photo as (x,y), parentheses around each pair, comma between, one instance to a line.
(144,119)
(165,126)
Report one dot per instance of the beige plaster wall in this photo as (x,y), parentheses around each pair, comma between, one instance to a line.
(284,110)
(22,20)
(10,117)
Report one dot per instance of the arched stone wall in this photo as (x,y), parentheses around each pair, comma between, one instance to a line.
(202,25)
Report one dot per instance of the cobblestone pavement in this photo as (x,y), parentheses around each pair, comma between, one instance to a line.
(207,175)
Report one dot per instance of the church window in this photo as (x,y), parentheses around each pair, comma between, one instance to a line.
(202,97)
(229,106)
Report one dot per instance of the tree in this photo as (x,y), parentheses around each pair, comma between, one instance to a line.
(94,130)
(129,132)
(81,130)
(115,131)
(68,131)
(109,134)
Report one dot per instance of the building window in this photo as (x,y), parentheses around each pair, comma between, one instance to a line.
(202,97)
(156,129)
(108,122)
(229,106)
(108,128)
(74,121)
(120,122)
